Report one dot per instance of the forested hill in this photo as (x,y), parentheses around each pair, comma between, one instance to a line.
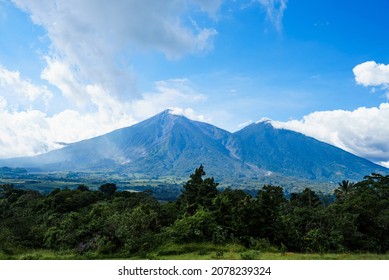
(106,223)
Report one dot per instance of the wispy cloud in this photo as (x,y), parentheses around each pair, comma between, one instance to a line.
(274,11)
(20,90)
(92,36)
(174,93)
(89,63)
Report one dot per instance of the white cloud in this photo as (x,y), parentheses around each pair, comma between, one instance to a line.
(209,6)
(59,74)
(175,93)
(89,62)
(23,133)
(91,98)
(21,91)
(71,126)
(372,74)
(384,163)
(3,103)
(364,131)
(274,11)
(95,39)
(189,113)
(30,132)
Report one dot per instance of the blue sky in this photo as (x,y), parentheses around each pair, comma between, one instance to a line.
(71,70)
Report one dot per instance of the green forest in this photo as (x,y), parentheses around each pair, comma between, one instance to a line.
(107,223)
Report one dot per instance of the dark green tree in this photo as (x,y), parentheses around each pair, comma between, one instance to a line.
(308,198)
(232,212)
(83,188)
(271,200)
(199,227)
(345,189)
(369,202)
(108,189)
(198,192)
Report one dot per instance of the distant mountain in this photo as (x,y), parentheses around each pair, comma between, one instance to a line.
(173,145)
(165,144)
(295,155)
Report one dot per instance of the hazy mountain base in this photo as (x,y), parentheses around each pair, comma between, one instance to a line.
(163,188)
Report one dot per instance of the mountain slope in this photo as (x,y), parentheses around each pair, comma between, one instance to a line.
(165,144)
(169,144)
(294,154)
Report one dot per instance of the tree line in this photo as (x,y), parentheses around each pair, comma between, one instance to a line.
(110,222)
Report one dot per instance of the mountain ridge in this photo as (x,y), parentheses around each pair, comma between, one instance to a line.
(168,144)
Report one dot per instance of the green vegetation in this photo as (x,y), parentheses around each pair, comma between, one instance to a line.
(203,223)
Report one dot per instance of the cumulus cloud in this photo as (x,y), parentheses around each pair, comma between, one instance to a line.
(274,11)
(23,133)
(364,131)
(372,74)
(32,132)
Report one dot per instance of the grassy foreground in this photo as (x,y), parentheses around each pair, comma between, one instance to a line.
(238,252)
(196,251)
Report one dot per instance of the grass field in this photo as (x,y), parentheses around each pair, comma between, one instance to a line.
(239,252)
(275,256)
(195,251)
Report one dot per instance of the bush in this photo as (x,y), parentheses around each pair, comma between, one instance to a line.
(200,227)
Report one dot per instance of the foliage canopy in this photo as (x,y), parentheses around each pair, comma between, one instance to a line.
(108,221)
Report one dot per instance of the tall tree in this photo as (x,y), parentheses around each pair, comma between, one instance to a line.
(198,192)
(108,189)
(308,198)
(345,189)
(271,200)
